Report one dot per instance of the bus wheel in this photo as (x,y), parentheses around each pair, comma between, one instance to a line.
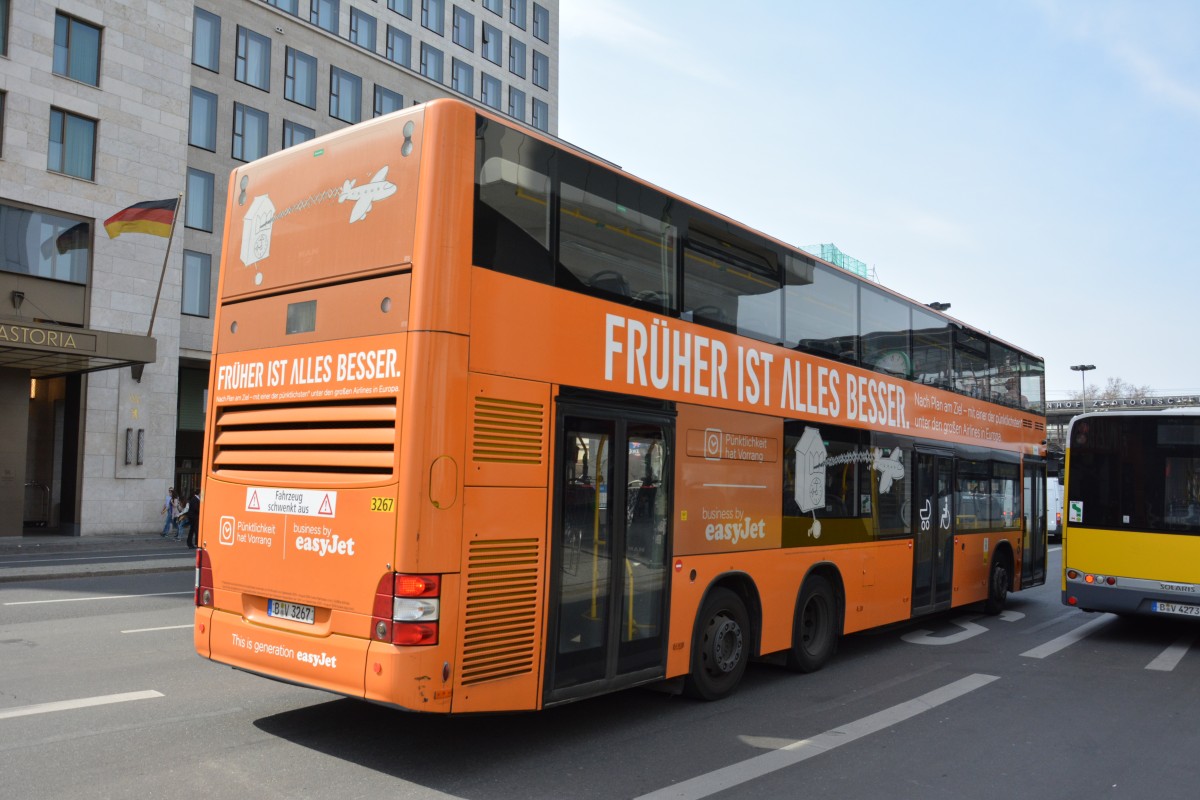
(721,648)
(815,632)
(999,579)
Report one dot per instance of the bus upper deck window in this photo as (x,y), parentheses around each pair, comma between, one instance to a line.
(302,317)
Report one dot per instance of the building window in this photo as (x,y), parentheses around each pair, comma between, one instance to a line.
(541,70)
(72,145)
(386,101)
(324,14)
(541,23)
(300,78)
(198,201)
(202,127)
(399,47)
(462,78)
(294,133)
(4,27)
(464,29)
(433,16)
(491,92)
(494,6)
(253,64)
(362,29)
(492,43)
(2,96)
(541,115)
(516,13)
(401,7)
(345,95)
(49,246)
(197,283)
(431,62)
(76,49)
(249,132)
(516,57)
(290,6)
(206,40)
(516,103)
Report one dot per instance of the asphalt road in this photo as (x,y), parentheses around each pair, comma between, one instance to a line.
(101,695)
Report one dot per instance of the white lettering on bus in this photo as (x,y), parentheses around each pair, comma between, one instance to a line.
(323,547)
(664,358)
(317,659)
(367,366)
(240,376)
(875,402)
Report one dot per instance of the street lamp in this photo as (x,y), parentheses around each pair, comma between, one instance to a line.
(938,306)
(1082,369)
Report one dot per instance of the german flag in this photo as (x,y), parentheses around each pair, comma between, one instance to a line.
(153,217)
(76,237)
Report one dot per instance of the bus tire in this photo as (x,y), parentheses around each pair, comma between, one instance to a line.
(815,630)
(720,647)
(999,580)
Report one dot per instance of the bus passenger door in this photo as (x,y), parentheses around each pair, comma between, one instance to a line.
(933,532)
(609,559)
(1033,553)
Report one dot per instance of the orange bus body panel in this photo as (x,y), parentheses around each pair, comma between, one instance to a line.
(582,341)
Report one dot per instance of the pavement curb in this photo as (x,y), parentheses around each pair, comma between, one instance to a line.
(58,573)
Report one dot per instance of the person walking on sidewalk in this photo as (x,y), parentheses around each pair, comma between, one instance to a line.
(169,513)
(193,519)
(179,508)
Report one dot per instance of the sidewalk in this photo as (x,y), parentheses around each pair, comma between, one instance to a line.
(46,556)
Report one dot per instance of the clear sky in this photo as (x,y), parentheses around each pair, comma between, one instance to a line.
(1035,163)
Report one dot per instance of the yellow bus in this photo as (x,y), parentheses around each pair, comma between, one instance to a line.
(1131,537)
(494,425)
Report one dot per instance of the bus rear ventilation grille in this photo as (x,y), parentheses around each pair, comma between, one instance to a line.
(508,431)
(336,441)
(500,617)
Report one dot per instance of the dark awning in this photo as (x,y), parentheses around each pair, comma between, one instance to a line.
(49,350)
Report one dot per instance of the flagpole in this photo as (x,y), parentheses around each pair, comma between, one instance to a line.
(162,275)
(136,369)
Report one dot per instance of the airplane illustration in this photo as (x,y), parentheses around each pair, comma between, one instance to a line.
(363,196)
(890,468)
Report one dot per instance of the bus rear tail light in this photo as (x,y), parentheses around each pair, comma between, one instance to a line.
(1087,577)
(407,609)
(204,578)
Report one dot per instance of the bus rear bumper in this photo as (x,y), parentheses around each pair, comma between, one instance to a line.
(404,677)
(1132,596)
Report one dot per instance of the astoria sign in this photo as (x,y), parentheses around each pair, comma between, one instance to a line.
(46,337)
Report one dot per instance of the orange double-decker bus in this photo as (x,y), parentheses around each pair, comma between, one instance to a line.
(494,426)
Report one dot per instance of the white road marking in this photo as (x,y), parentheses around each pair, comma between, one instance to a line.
(163,628)
(1011,616)
(1069,638)
(83,702)
(735,774)
(97,597)
(1168,659)
(969,629)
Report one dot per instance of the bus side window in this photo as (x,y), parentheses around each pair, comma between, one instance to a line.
(615,236)
(512,195)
